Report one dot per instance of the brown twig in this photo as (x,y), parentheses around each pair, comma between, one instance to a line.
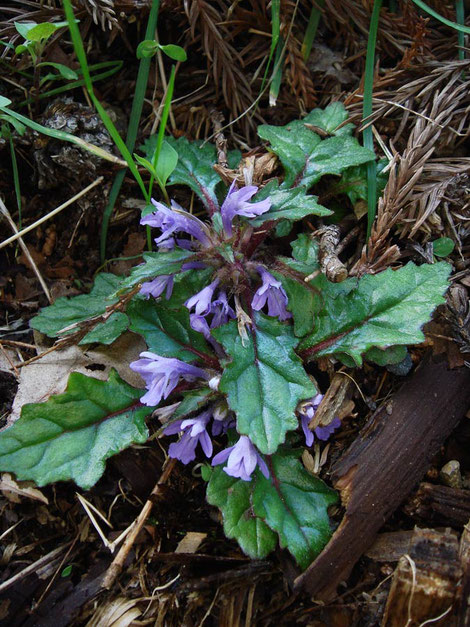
(118,563)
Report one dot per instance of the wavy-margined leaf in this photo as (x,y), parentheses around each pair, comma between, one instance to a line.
(108,331)
(71,435)
(264,381)
(67,311)
(306,157)
(381,310)
(288,204)
(233,497)
(292,503)
(167,332)
(331,119)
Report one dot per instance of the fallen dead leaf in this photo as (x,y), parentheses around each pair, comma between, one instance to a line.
(191,542)
(14,489)
(49,375)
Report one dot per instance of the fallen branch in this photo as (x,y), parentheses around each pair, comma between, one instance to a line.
(384,464)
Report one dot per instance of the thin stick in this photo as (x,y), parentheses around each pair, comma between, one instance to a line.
(29,228)
(24,248)
(118,562)
(32,568)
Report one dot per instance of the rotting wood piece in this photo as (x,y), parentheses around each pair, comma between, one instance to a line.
(440,504)
(425,582)
(463,612)
(383,465)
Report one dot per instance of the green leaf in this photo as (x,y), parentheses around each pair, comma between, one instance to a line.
(330,118)
(386,356)
(177,53)
(63,70)
(18,126)
(233,497)
(443,246)
(295,505)
(303,299)
(22,48)
(291,503)
(380,356)
(291,204)
(381,310)
(23,28)
(66,311)
(109,330)
(145,163)
(306,158)
(156,264)
(72,434)
(194,168)
(353,182)
(167,162)
(265,380)
(305,253)
(192,401)
(301,303)
(167,332)
(38,32)
(147,49)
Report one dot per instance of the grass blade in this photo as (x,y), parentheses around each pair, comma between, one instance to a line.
(311,31)
(368,138)
(460,27)
(136,112)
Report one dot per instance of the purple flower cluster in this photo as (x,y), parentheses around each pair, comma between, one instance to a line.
(242,458)
(175,220)
(161,376)
(194,433)
(204,305)
(307,412)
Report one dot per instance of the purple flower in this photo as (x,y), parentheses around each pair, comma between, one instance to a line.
(242,459)
(161,375)
(202,300)
(156,287)
(307,412)
(175,220)
(323,433)
(236,203)
(272,292)
(221,310)
(199,324)
(194,432)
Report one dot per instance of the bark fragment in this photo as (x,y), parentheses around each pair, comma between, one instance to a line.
(383,465)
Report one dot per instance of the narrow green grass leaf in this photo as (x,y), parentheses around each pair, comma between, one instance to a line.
(367,110)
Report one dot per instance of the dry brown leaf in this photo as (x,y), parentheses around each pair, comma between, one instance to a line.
(14,489)
(49,374)
(191,542)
